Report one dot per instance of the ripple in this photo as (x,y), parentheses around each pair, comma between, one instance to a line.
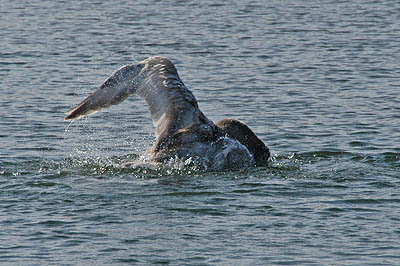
(317,82)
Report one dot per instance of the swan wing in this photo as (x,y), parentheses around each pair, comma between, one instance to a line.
(172,105)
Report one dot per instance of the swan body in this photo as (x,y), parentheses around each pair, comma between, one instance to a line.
(182,130)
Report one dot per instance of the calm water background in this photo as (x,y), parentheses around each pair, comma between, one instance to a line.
(318,81)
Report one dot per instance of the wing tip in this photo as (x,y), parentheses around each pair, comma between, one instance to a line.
(70,115)
(77,113)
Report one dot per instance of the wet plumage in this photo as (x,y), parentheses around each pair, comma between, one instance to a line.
(182,130)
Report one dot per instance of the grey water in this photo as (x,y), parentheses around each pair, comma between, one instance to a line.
(318,81)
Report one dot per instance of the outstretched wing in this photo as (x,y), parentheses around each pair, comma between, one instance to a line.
(113,91)
(172,105)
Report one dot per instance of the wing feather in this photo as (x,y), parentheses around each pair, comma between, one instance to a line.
(113,91)
(172,105)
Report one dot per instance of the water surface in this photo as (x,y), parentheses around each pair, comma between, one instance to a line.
(318,81)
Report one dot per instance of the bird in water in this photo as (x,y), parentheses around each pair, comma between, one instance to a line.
(182,130)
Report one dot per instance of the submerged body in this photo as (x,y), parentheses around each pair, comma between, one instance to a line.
(182,130)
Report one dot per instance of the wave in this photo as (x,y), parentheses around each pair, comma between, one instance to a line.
(338,166)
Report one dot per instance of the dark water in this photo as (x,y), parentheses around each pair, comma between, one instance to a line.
(316,80)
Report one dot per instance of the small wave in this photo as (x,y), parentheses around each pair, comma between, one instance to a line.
(336,166)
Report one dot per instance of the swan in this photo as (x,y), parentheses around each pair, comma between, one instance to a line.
(182,130)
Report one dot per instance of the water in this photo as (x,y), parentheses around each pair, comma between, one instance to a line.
(318,81)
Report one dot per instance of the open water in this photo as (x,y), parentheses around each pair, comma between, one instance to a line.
(318,81)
